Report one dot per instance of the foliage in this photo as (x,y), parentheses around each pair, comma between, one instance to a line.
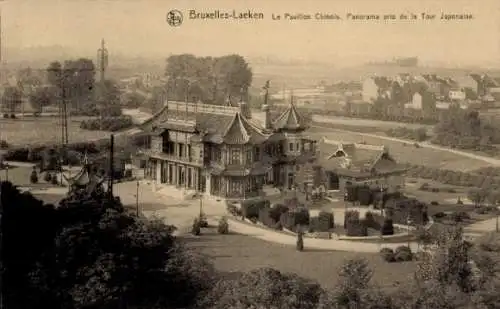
(89,253)
(326,221)
(265,288)
(250,209)
(209,79)
(112,124)
(403,254)
(291,219)
(403,208)
(276,211)
(465,130)
(355,226)
(202,219)
(42,97)
(133,99)
(477,196)
(371,222)
(196,227)
(387,255)
(234,210)
(223,227)
(34,176)
(11,99)
(418,135)
(364,195)
(387,227)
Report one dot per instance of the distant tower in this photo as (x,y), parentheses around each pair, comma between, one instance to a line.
(102,60)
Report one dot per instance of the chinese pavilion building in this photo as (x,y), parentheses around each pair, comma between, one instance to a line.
(223,151)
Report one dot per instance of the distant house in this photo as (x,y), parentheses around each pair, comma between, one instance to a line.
(457,94)
(305,96)
(422,100)
(470,83)
(437,85)
(375,87)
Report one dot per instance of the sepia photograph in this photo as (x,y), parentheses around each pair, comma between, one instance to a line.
(271,154)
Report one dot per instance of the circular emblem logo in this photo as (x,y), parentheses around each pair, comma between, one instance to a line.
(174,18)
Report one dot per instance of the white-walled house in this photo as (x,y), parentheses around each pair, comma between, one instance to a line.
(416,101)
(457,95)
(370,90)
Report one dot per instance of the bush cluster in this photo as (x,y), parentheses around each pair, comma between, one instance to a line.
(293,218)
(401,209)
(401,254)
(354,226)
(418,135)
(112,124)
(456,178)
(250,209)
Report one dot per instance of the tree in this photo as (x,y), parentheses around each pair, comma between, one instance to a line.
(90,253)
(157,99)
(40,98)
(211,80)
(12,98)
(108,98)
(265,288)
(133,99)
(477,196)
(493,197)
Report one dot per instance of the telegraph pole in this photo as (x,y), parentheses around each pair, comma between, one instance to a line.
(102,60)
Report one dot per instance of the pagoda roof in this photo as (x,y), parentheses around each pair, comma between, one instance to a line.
(84,178)
(290,119)
(230,128)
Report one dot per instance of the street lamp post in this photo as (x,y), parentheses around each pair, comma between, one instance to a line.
(137,199)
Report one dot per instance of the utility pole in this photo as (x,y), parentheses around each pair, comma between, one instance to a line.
(111,166)
(102,60)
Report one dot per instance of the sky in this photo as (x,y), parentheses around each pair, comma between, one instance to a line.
(139,27)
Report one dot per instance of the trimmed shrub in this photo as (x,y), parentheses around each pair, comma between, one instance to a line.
(276,211)
(5,115)
(196,228)
(3,144)
(291,219)
(355,226)
(387,227)
(54,180)
(223,227)
(387,255)
(314,225)
(235,211)
(351,193)
(250,209)
(459,216)
(350,214)
(34,177)
(326,221)
(112,124)
(403,254)
(203,220)
(371,222)
(47,177)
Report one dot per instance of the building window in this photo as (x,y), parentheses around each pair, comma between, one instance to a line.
(257,153)
(290,146)
(189,151)
(307,146)
(181,150)
(297,146)
(235,156)
(249,156)
(236,186)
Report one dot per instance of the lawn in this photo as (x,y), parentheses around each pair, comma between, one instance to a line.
(406,152)
(238,253)
(31,130)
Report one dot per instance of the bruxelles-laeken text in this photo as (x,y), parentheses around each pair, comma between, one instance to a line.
(231,14)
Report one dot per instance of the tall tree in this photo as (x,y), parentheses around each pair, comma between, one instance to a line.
(12,98)
(211,80)
(40,98)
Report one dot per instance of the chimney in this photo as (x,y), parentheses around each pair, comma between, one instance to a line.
(245,110)
(267,116)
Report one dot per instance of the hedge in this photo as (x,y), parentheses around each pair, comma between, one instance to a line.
(401,208)
(325,221)
(112,124)
(250,209)
(355,226)
(276,211)
(387,227)
(387,255)
(364,195)
(403,254)
(291,219)
(371,222)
